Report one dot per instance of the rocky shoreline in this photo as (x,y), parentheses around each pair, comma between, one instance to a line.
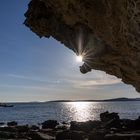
(109,127)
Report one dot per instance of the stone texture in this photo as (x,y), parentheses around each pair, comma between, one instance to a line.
(105,32)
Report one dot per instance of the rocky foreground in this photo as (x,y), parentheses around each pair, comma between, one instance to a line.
(110,127)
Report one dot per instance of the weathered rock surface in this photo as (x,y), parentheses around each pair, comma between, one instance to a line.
(49,124)
(127,136)
(106,116)
(71,135)
(85,126)
(13,123)
(105,32)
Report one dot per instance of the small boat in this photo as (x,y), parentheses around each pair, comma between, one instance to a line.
(5,105)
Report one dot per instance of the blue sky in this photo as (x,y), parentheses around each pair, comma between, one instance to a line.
(34,69)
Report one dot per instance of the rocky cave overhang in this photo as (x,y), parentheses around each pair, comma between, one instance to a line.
(106,32)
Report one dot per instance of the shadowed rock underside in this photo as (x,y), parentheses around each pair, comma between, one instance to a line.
(105,32)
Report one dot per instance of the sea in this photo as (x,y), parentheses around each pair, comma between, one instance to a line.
(36,113)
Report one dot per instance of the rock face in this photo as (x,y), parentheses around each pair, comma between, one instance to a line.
(49,124)
(105,32)
(106,116)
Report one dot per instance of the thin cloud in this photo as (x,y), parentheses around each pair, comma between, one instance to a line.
(25,77)
(25,87)
(97,79)
(37,79)
(100,82)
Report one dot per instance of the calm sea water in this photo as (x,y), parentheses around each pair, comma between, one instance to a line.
(33,113)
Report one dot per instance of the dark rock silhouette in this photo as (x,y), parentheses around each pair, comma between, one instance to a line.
(13,123)
(106,116)
(49,124)
(6,105)
(85,126)
(71,135)
(2,123)
(105,129)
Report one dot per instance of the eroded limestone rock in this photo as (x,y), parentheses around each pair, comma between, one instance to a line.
(106,31)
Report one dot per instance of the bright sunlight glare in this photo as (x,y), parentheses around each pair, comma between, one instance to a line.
(79,58)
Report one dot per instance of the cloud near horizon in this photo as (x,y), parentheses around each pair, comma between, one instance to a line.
(97,78)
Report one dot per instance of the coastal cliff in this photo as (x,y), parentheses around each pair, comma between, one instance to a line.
(105,32)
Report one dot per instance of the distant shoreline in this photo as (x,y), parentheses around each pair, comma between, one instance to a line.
(107,100)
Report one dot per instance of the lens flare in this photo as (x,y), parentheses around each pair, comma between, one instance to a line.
(79,58)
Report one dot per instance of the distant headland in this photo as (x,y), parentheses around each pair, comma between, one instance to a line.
(106,100)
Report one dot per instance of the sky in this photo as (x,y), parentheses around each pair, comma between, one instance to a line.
(34,69)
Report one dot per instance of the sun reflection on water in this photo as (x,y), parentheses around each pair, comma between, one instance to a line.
(81,111)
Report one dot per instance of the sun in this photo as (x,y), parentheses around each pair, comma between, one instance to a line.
(79,58)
